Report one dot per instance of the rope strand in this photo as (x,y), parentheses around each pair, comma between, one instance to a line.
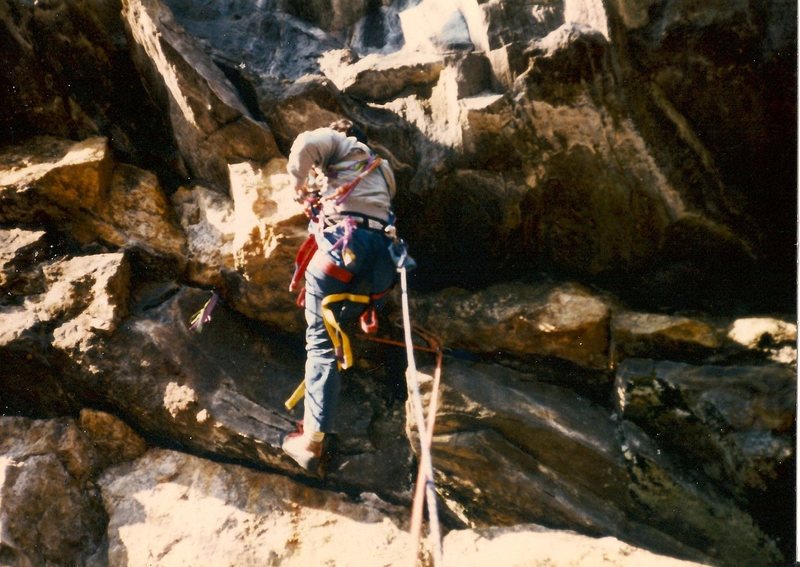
(426,467)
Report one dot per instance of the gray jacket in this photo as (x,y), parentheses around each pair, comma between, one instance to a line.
(338,156)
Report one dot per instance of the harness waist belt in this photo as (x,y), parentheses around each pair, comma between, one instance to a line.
(362,221)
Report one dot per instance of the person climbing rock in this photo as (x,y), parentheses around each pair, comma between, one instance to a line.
(346,190)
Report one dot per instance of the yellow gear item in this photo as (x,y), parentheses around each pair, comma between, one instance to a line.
(340,340)
(296,396)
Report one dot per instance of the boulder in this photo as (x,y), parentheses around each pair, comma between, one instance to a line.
(206,217)
(508,449)
(246,245)
(435,27)
(221,392)
(19,251)
(78,185)
(84,300)
(563,321)
(269,229)
(50,511)
(381,77)
(137,214)
(53,178)
(310,102)
(211,125)
(182,509)
(87,298)
(78,303)
(643,335)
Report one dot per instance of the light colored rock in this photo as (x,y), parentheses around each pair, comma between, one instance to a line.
(136,213)
(380,78)
(269,229)
(246,245)
(53,176)
(565,321)
(435,26)
(88,296)
(84,299)
(207,218)
(590,13)
(79,185)
(182,510)
(529,545)
(775,337)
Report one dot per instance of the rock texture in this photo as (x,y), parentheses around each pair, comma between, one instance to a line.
(505,442)
(102,498)
(603,218)
(210,124)
(46,474)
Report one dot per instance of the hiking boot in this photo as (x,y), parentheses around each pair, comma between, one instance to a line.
(305,452)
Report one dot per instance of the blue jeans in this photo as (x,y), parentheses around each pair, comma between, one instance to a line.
(372,272)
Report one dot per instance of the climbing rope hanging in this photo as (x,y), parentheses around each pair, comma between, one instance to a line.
(425,481)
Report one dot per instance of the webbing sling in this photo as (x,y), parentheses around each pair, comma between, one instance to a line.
(340,195)
(340,340)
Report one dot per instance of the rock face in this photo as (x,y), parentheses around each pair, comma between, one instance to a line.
(598,200)
(210,124)
(565,322)
(45,473)
(143,505)
(245,517)
(505,442)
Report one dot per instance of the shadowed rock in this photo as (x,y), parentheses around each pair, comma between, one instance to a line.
(508,450)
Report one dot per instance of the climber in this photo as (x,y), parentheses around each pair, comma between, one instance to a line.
(346,190)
